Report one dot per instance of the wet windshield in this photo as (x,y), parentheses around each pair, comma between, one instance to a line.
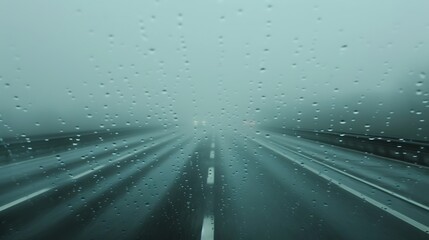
(214,120)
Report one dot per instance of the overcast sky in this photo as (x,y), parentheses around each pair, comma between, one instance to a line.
(341,65)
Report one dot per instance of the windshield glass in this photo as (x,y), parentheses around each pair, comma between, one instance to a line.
(214,119)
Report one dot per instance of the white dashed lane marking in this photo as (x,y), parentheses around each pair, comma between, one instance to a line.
(207,232)
(210,176)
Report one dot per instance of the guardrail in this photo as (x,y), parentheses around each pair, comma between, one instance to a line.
(12,149)
(411,151)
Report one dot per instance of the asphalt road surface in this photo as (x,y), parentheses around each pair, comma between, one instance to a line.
(170,185)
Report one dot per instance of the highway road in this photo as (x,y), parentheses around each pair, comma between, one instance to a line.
(217,185)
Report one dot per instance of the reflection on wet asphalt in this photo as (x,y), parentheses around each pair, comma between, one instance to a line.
(169,185)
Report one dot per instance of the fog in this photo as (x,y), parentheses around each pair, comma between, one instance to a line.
(354,66)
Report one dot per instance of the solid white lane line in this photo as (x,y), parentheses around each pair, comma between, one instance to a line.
(88,172)
(370,200)
(18,201)
(207,231)
(210,176)
(212,154)
(116,160)
(362,180)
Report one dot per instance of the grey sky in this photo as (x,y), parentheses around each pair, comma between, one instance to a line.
(90,64)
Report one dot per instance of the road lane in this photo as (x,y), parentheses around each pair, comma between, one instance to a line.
(401,177)
(197,186)
(62,164)
(26,220)
(180,215)
(144,190)
(266,180)
(359,193)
